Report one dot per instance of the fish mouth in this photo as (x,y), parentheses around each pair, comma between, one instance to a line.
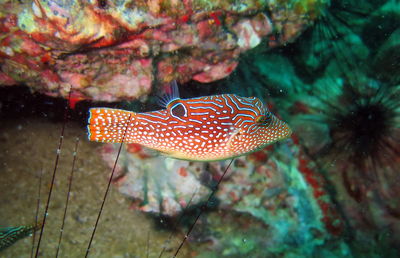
(287,131)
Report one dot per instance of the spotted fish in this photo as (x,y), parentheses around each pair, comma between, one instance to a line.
(202,129)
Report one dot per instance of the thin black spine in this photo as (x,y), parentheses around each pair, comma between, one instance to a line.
(75,153)
(60,143)
(108,188)
(177,224)
(203,207)
(37,212)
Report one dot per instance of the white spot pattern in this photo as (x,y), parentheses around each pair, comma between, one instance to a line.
(213,128)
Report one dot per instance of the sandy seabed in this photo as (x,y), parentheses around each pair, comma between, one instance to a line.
(28,147)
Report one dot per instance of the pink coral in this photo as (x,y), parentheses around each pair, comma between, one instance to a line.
(117,50)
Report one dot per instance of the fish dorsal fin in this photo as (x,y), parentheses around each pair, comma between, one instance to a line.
(171,94)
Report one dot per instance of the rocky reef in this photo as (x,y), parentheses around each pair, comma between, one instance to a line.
(328,68)
(278,187)
(118,50)
(329,190)
(343,104)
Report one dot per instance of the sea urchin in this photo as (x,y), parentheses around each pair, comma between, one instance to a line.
(364,127)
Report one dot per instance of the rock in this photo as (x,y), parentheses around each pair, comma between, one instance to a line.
(112,51)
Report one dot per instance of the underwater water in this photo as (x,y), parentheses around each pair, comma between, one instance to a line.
(317,177)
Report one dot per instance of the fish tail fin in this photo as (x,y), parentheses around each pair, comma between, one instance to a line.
(109,124)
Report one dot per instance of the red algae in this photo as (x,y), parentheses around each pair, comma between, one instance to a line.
(50,35)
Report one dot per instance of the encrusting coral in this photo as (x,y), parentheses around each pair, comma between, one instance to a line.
(117,50)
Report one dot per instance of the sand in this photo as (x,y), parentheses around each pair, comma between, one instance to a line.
(28,147)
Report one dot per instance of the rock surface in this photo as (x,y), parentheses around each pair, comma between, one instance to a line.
(118,50)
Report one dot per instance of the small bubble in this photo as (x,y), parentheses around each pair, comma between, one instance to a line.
(244,240)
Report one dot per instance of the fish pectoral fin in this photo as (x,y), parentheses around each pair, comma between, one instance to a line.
(233,136)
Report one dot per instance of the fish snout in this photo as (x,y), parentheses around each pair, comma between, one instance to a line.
(282,129)
(287,130)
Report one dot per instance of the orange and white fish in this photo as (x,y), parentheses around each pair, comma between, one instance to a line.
(201,129)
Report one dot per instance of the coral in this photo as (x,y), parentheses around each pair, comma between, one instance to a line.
(340,93)
(278,187)
(271,202)
(353,108)
(279,183)
(112,51)
(156,184)
(330,190)
(347,117)
(292,17)
(238,235)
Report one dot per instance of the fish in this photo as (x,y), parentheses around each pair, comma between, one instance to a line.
(207,128)
(10,235)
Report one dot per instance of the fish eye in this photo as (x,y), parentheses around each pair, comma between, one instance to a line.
(263,119)
(178,110)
